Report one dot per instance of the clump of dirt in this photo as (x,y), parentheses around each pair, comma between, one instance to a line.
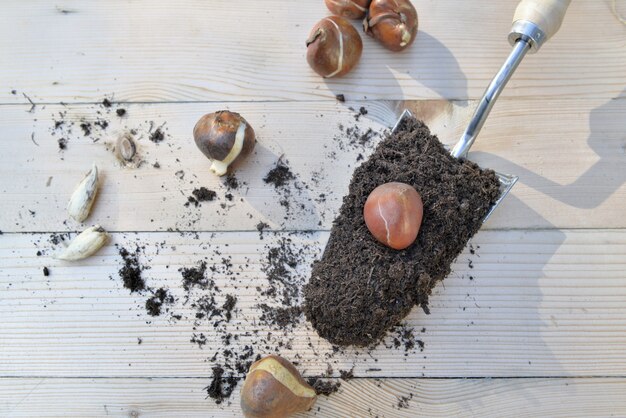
(120,112)
(194,276)
(154,304)
(86,127)
(361,288)
(201,194)
(231,182)
(323,386)
(131,271)
(221,387)
(279,176)
(157,136)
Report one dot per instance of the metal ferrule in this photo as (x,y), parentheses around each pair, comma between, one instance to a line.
(528,31)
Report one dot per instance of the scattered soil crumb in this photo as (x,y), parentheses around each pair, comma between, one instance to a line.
(279,176)
(340,98)
(106,103)
(347,374)
(131,271)
(201,194)
(220,387)
(228,306)
(323,386)
(46,271)
(120,112)
(404,338)
(403,401)
(194,276)
(86,127)
(157,136)
(282,317)
(362,112)
(160,298)
(231,182)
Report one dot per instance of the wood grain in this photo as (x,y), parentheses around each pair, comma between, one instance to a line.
(570,156)
(76,51)
(533,303)
(48,397)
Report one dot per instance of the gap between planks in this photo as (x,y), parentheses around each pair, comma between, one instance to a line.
(200,57)
(582,187)
(532,297)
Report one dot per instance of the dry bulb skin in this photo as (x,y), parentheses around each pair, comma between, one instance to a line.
(84,195)
(126,148)
(393,213)
(274,388)
(86,244)
(334,47)
(351,9)
(392,22)
(224,137)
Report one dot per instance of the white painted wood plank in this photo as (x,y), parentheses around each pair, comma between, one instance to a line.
(53,397)
(539,303)
(149,50)
(570,156)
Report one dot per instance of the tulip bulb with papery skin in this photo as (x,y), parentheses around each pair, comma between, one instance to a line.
(274,388)
(224,137)
(393,213)
(334,47)
(392,22)
(351,9)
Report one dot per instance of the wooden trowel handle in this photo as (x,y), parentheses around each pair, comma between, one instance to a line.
(537,21)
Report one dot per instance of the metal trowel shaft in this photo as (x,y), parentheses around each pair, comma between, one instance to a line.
(534,22)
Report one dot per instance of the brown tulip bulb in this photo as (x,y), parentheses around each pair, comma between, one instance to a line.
(224,137)
(274,388)
(392,22)
(351,9)
(393,213)
(334,47)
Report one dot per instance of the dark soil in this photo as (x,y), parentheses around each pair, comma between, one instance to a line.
(86,127)
(220,387)
(204,195)
(282,317)
(361,288)
(231,182)
(323,387)
(131,271)
(154,304)
(157,136)
(279,175)
(46,271)
(120,112)
(194,276)
(228,306)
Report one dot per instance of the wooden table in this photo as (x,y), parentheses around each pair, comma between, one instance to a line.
(539,331)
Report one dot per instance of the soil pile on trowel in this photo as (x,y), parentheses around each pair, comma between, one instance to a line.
(361,288)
